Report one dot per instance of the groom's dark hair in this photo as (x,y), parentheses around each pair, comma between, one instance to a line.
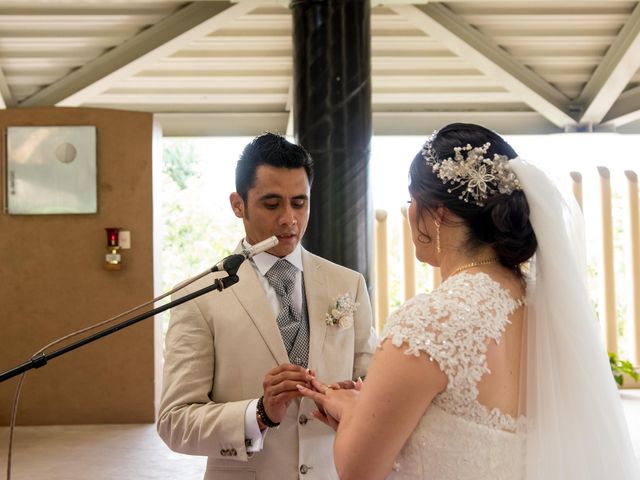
(273,150)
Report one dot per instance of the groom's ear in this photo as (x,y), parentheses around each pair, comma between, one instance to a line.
(237,204)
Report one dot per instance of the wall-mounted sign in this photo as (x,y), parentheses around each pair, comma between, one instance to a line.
(51,170)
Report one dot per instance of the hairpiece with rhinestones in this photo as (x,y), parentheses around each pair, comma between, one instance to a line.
(479,177)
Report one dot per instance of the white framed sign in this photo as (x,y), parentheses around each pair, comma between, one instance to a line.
(51,170)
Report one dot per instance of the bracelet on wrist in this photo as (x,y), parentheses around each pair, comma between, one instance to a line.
(262,414)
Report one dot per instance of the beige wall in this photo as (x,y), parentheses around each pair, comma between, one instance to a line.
(52,283)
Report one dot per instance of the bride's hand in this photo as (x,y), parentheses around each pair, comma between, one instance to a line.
(347,384)
(328,420)
(331,400)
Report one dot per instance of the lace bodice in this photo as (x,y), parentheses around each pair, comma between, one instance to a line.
(453,325)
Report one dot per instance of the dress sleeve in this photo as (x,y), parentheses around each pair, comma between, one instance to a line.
(452,325)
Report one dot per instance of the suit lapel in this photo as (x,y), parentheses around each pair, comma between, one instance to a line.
(251,296)
(317,305)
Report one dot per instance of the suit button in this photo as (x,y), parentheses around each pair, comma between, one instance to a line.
(223,452)
(233,452)
(304,469)
(302,419)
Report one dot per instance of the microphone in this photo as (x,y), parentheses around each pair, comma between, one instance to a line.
(232,262)
(260,247)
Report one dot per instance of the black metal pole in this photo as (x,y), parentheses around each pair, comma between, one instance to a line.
(332,120)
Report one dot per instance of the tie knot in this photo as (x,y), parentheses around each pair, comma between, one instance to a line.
(281,276)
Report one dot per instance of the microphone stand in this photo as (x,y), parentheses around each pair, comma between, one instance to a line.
(231,265)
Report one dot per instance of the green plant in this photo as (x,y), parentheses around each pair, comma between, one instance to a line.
(180,162)
(620,367)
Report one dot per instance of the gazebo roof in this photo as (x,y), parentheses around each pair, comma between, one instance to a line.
(224,68)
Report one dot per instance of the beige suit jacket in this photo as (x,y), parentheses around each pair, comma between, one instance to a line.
(218,349)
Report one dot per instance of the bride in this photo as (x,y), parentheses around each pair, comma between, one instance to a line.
(498,373)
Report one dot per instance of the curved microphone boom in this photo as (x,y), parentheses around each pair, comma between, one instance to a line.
(229,265)
(232,262)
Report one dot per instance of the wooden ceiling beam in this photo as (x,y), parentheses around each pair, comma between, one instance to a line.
(173,33)
(613,74)
(625,110)
(6,99)
(480,51)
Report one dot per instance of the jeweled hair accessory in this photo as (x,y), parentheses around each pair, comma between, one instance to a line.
(479,177)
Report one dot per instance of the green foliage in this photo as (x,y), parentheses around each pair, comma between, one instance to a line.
(178,162)
(620,367)
(198,227)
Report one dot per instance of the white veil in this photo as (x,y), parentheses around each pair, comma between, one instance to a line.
(576,426)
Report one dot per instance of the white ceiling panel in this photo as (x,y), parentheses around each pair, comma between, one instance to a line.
(520,66)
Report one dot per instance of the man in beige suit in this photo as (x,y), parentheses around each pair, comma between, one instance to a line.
(233,359)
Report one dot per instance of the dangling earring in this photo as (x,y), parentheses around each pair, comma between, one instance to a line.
(437,235)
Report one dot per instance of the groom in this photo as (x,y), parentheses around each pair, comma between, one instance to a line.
(233,359)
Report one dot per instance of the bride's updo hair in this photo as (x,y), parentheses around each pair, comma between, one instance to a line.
(502,219)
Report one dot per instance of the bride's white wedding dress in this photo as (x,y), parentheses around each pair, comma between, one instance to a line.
(458,438)
(575,427)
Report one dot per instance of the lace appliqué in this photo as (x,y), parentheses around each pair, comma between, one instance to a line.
(451,325)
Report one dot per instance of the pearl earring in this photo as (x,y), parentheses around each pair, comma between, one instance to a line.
(437,235)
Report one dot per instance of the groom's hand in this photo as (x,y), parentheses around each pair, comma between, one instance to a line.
(344,385)
(279,386)
(332,400)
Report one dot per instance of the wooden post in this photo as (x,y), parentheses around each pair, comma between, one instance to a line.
(634,241)
(382,270)
(409,257)
(577,187)
(608,273)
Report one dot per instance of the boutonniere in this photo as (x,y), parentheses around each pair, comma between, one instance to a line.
(341,312)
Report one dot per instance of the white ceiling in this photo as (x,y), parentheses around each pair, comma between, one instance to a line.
(224,68)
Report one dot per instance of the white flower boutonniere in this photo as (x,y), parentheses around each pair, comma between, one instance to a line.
(341,312)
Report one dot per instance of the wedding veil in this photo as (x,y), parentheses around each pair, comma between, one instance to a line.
(576,426)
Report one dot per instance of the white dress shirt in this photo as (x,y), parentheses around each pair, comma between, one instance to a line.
(262,262)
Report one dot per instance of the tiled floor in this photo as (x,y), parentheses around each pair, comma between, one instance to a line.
(135,452)
(95,452)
